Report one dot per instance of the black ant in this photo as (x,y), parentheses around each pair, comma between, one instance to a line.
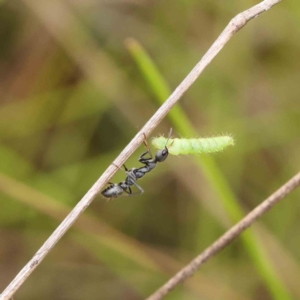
(117,189)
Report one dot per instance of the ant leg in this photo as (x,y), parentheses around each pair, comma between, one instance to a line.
(129,192)
(110,183)
(129,173)
(133,179)
(125,169)
(141,191)
(142,158)
(147,147)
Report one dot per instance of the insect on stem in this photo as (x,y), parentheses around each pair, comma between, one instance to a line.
(115,190)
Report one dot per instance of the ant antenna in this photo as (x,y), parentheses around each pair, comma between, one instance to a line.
(169,136)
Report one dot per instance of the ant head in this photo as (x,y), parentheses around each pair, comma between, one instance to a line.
(161,155)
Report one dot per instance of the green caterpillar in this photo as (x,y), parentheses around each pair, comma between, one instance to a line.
(193,146)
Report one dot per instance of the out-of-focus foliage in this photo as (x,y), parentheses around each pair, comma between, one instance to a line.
(71,99)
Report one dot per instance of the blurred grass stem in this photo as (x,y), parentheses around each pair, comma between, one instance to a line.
(227,237)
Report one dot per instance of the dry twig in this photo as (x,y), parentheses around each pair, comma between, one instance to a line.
(226,238)
(234,25)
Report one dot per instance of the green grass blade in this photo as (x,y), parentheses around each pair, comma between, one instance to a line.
(213,174)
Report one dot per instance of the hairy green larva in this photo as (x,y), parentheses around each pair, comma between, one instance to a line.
(193,146)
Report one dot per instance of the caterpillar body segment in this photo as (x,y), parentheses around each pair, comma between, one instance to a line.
(193,146)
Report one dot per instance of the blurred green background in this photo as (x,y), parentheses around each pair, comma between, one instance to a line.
(79,79)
